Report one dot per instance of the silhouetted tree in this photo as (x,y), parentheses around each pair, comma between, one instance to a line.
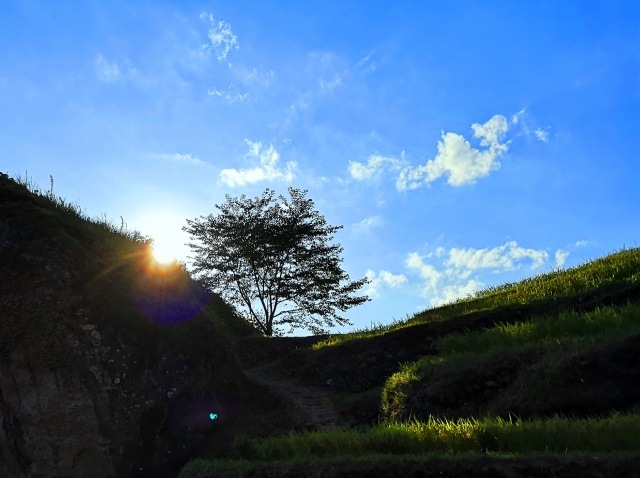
(274,259)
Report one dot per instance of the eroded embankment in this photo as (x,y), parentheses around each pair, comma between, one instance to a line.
(313,402)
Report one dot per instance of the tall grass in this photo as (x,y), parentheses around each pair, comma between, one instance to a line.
(620,266)
(74,209)
(376,328)
(568,325)
(555,341)
(552,435)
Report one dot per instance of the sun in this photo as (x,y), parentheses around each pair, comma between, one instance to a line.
(164,227)
(164,252)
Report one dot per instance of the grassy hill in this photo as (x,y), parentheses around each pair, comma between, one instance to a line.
(110,365)
(536,378)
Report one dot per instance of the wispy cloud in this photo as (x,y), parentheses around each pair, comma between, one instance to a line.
(231,95)
(267,169)
(375,165)
(542,135)
(521,119)
(382,279)
(447,275)
(105,71)
(367,224)
(457,159)
(181,158)
(221,38)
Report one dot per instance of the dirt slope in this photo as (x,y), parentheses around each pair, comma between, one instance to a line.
(312,401)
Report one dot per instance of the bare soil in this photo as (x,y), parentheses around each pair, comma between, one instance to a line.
(312,401)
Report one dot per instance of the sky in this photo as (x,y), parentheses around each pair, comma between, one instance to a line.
(461,144)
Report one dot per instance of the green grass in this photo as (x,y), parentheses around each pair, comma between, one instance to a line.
(554,341)
(619,267)
(566,326)
(617,433)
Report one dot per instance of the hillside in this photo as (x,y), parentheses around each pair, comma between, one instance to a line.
(109,363)
(538,378)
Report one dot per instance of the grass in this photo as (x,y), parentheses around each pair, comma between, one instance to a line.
(74,210)
(555,435)
(540,349)
(566,326)
(93,265)
(553,342)
(619,267)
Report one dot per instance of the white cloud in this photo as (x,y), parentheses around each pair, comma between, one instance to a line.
(267,170)
(427,272)
(451,293)
(542,135)
(220,36)
(503,257)
(105,71)
(383,279)
(581,243)
(454,274)
(458,159)
(515,119)
(561,257)
(375,165)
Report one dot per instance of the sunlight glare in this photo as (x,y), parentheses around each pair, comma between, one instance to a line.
(165,228)
(163,251)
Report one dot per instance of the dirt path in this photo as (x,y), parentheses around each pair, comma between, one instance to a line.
(315,403)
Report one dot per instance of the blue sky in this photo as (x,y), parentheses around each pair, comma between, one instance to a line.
(461,144)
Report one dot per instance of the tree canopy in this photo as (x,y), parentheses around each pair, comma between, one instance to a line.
(274,259)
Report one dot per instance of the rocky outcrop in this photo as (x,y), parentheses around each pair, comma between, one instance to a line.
(51,423)
(108,367)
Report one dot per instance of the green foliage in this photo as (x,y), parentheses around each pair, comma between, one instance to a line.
(273,258)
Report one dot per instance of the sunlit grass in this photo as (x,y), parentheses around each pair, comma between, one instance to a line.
(485,435)
(618,267)
(556,340)
(371,331)
(567,325)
